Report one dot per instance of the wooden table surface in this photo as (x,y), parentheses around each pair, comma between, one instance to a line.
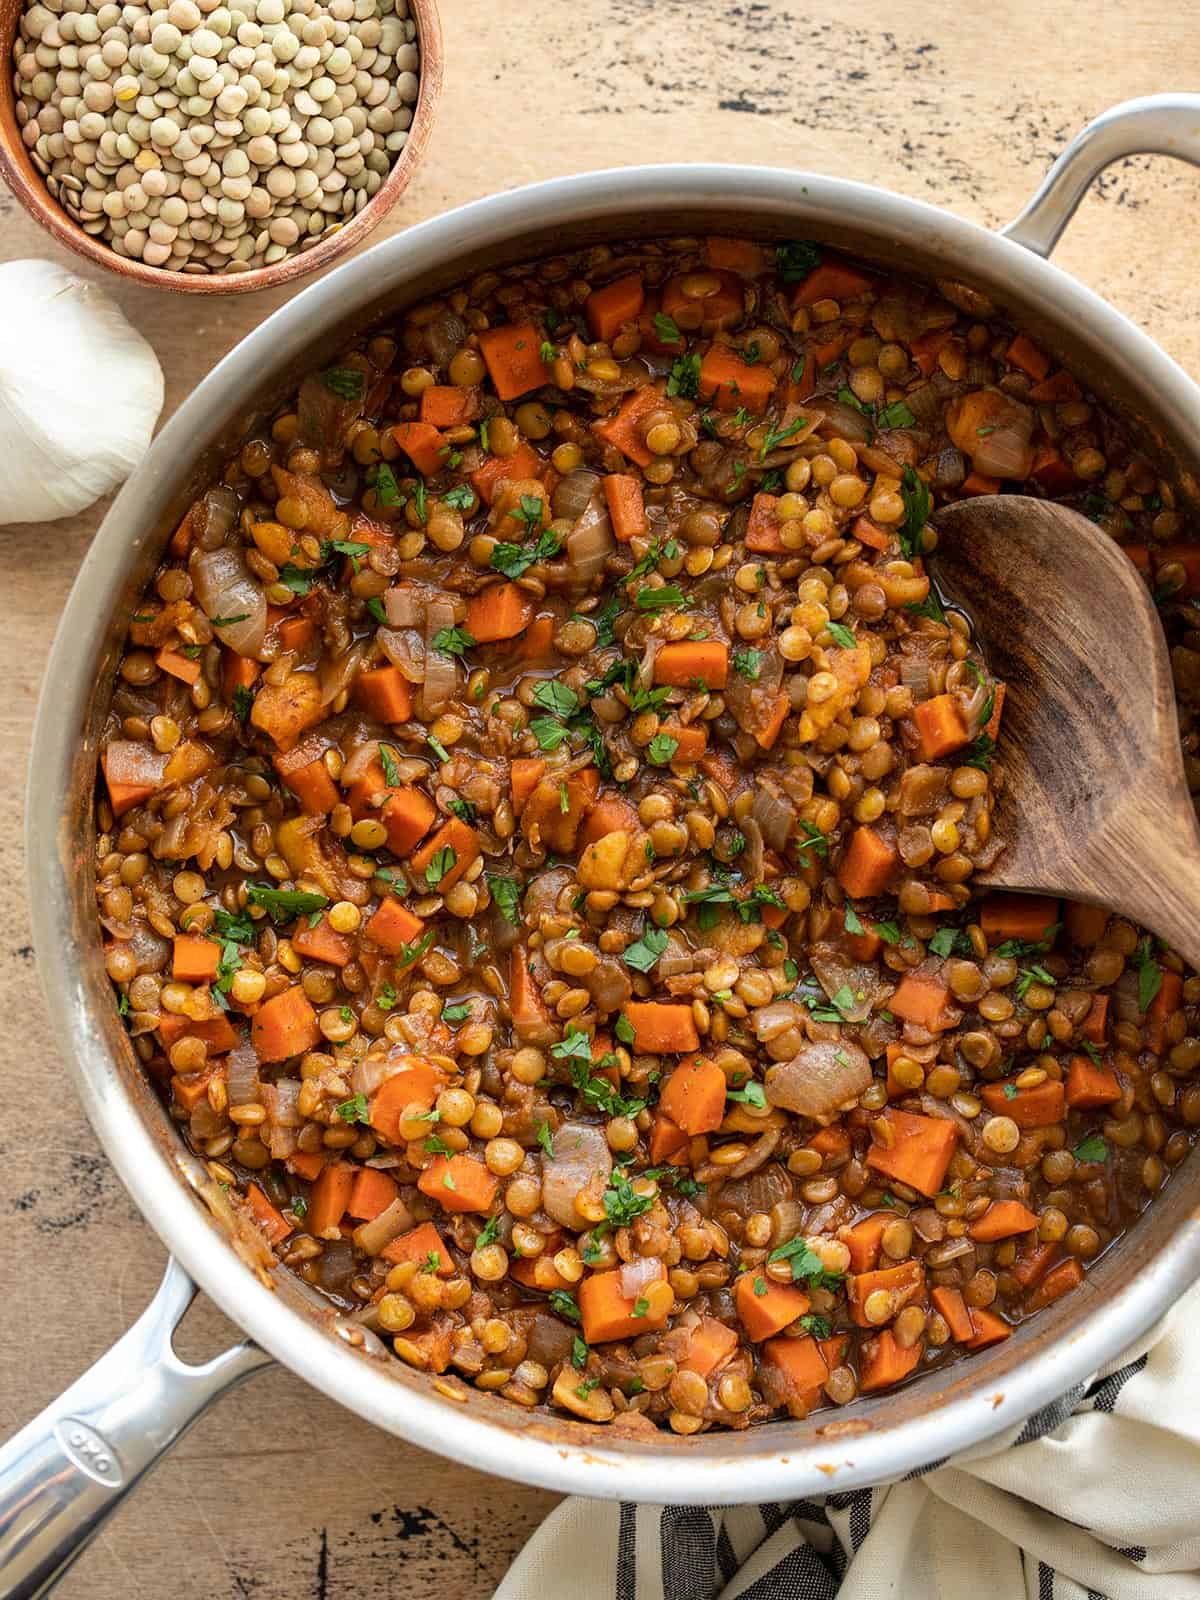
(279,1494)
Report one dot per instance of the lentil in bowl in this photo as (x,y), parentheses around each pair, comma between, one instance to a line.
(555,787)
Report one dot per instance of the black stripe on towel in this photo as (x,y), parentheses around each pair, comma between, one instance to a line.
(689,1556)
(626,1584)
(801,1575)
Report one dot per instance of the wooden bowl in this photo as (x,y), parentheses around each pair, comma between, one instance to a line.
(29,187)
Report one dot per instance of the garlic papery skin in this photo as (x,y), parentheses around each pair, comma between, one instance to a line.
(80,392)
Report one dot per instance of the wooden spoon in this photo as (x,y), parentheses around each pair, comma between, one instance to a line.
(1095,806)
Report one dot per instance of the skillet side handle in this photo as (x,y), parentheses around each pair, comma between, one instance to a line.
(69,1469)
(1157,124)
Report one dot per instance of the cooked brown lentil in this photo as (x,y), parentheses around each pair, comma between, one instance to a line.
(542,797)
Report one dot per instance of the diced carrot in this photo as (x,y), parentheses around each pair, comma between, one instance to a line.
(323,943)
(661,1029)
(459,1183)
(422,445)
(896,1090)
(458,838)
(693,1096)
(766,736)
(284,1026)
(1166,1001)
(992,726)
(1139,554)
(284,711)
(1089,1086)
(690,664)
(553,811)
(424,1244)
(865,531)
(923,1001)
(1060,1280)
(368,791)
(800,1363)
(217,1033)
(524,774)
(863,1241)
(609,814)
(195,959)
(1018,916)
(1039,1107)
(188,1091)
(537,642)
(920,1153)
(181,539)
(989,1328)
(1084,924)
(941,725)
(384,693)
(832,280)
(296,632)
(448,406)
(1023,353)
(711,1345)
(690,742)
(623,430)
(1056,390)
(407,815)
(765,1307)
(523,464)
(1095,1025)
(712,312)
(667,1142)
(869,864)
(1029,1269)
(862,946)
(608,1313)
(885,1362)
(530,1016)
(269,1219)
(237,672)
(831,1142)
(626,508)
(979,483)
(1001,1220)
(905,1282)
(937,901)
(729,383)
(735,255)
(762,528)
(514,362)
(926,348)
(609,309)
(179,666)
(311,784)
(306,1165)
(329,1198)
(416,1082)
(1052,471)
(952,1309)
(393,926)
(501,611)
(372,1193)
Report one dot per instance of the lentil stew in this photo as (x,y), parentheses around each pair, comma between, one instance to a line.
(541,798)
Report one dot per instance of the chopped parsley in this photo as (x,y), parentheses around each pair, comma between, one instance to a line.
(546,1138)
(444,861)
(621,1204)
(816,1327)
(779,436)
(284,904)
(796,259)
(383,480)
(348,383)
(438,748)
(659,599)
(488,1233)
(514,560)
(640,1306)
(842,635)
(355,1109)
(645,953)
(453,641)
(946,940)
(813,840)
(661,749)
(460,498)
(1149,972)
(564,1304)
(666,329)
(391,772)
(684,379)
(753,1094)
(556,698)
(918,503)
(748,664)
(1093,1148)
(897,415)
(506,892)
(806,1265)
(458,1012)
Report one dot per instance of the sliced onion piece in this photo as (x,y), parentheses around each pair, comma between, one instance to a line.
(635,1275)
(589,543)
(819,1081)
(580,1152)
(230,598)
(374,1236)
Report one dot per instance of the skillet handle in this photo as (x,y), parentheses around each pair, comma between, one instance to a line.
(69,1469)
(1157,124)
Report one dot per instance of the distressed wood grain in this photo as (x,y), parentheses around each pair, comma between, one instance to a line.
(279,1494)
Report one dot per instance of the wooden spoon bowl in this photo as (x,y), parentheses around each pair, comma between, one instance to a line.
(1095,806)
(27,183)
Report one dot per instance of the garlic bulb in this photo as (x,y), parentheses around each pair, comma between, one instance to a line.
(80,392)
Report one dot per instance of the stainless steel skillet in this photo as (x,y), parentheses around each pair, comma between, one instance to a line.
(68,1469)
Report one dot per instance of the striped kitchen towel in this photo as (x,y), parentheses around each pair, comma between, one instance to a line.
(1096,1497)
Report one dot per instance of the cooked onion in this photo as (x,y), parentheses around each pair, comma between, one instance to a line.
(845,422)
(820,1080)
(337,673)
(150,950)
(241,1075)
(570,497)
(994,430)
(580,1152)
(441,671)
(283,1102)
(836,972)
(404,605)
(405,649)
(635,1275)
(589,543)
(212,524)
(129,761)
(775,814)
(224,587)
(914,667)
(376,1235)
